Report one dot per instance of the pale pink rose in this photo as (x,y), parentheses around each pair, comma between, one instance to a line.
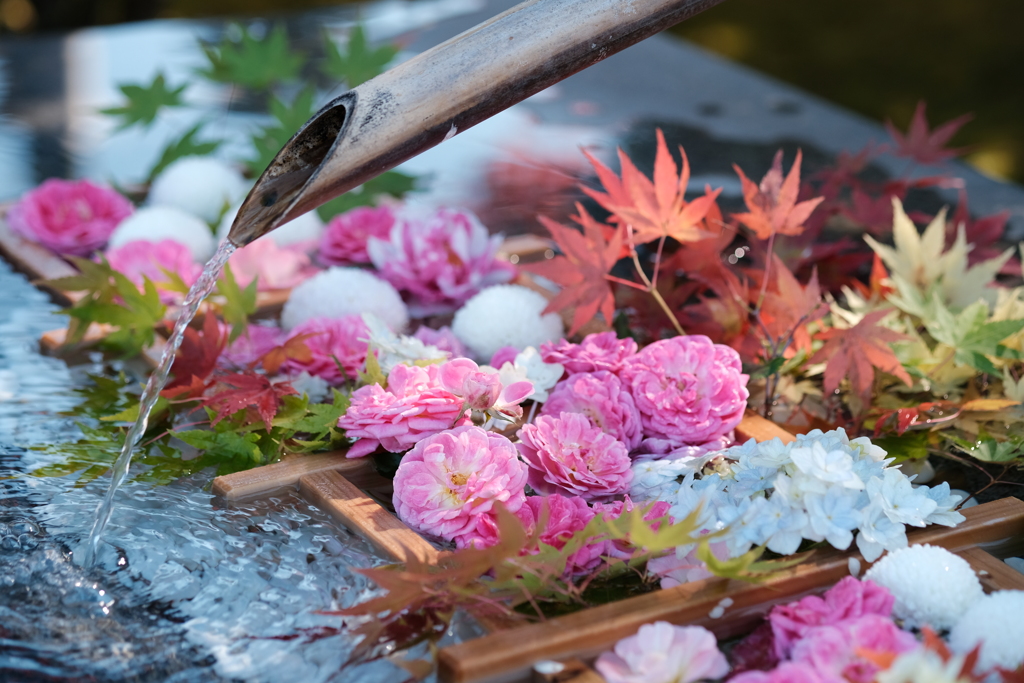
(448,480)
(333,341)
(663,653)
(73,217)
(569,454)
(440,259)
(344,239)
(251,346)
(787,672)
(598,351)
(567,515)
(484,532)
(875,633)
(143,259)
(688,389)
(275,267)
(603,398)
(443,339)
(463,377)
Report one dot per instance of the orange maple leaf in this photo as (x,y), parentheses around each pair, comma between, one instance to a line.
(294,348)
(788,306)
(654,209)
(773,204)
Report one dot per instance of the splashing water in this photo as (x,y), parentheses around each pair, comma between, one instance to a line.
(199,291)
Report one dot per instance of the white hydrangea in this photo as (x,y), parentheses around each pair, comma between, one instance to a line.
(337,292)
(655,480)
(306,228)
(931,585)
(200,185)
(156,223)
(315,388)
(995,622)
(528,366)
(505,315)
(398,349)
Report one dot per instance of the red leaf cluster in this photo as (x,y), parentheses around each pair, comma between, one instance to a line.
(196,360)
(923,145)
(772,206)
(248,390)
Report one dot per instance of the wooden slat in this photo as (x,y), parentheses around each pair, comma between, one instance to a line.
(53,343)
(753,426)
(345,502)
(262,480)
(508,656)
(34,260)
(994,574)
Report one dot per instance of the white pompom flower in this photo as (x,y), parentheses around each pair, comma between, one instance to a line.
(337,292)
(307,228)
(505,315)
(200,185)
(995,622)
(931,585)
(156,223)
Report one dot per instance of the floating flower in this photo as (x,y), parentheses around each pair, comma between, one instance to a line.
(337,292)
(157,223)
(443,339)
(73,217)
(448,480)
(154,260)
(344,241)
(602,397)
(441,258)
(302,232)
(251,346)
(688,390)
(994,622)
(663,653)
(199,185)
(568,453)
(332,342)
(272,267)
(598,351)
(787,672)
(505,315)
(395,349)
(483,390)
(528,366)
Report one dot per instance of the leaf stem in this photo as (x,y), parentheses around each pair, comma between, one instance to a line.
(647,281)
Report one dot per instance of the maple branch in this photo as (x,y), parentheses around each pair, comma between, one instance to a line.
(657,260)
(650,288)
(767,270)
(628,283)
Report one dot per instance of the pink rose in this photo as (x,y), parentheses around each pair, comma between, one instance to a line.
(568,453)
(333,341)
(275,267)
(141,259)
(464,378)
(787,672)
(443,339)
(69,216)
(603,398)
(567,515)
(598,351)
(251,346)
(448,480)
(688,389)
(344,240)
(663,653)
(506,354)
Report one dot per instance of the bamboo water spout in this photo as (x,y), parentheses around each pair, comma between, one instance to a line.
(442,92)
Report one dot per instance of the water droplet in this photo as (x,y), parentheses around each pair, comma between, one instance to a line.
(23,526)
(28,541)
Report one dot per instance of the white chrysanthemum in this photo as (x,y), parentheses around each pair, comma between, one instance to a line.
(155,223)
(398,349)
(337,292)
(202,186)
(932,586)
(307,227)
(505,315)
(995,622)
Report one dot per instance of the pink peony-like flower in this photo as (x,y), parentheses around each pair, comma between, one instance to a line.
(833,650)
(688,389)
(143,259)
(333,341)
(603,398)
(448,480)
(73,217)
(598,351)
(506,354)
(276,267)
(565,516)
(344,239)
(440,259)
(250,346)
(443,339)
(663,653)
(568,453)
(483,390)
(787,672)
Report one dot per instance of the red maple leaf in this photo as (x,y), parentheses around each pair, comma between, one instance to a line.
(773,204)
(876,289)
(923,145)
(788,306)
(196,360)
(294,348)
(587,258)
(654,209)
(856,352)
(248,390)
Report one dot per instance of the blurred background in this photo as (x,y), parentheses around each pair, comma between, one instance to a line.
(875,57)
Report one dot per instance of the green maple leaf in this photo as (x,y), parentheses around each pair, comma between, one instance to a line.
(228,445)
(253,63)
(359,63)
(184,146)
(970,334)
(145,102)
(238,304)
(288,118)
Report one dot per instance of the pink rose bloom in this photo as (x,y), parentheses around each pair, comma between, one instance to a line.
(832,650)
(603,398)
(565,516)
(663,653)
(506,354)
(483,390)
(484,533)
(443,339)
(569,454)
(787,672)
(250,346)
(142,259)
(344,239)
(448,480)
(688,389)
(276,267)
(341,339)
(598,351)
(440,260)
(73,217)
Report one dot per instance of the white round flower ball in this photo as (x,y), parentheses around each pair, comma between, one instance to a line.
(932,586)
(155,223)
(307,227)
(337,292)
(995,622)
(203,186)
(505,315)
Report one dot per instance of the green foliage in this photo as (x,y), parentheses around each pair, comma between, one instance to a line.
(391,183)
(238,304)
(359,63)
(253,63)
(288,118)
(987,449)
(970,334)
(184,146)
(145,102)
(912,445)
(373,373)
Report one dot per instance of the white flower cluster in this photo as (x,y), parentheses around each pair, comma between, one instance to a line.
(821,487)
(398,349)
(528,366)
